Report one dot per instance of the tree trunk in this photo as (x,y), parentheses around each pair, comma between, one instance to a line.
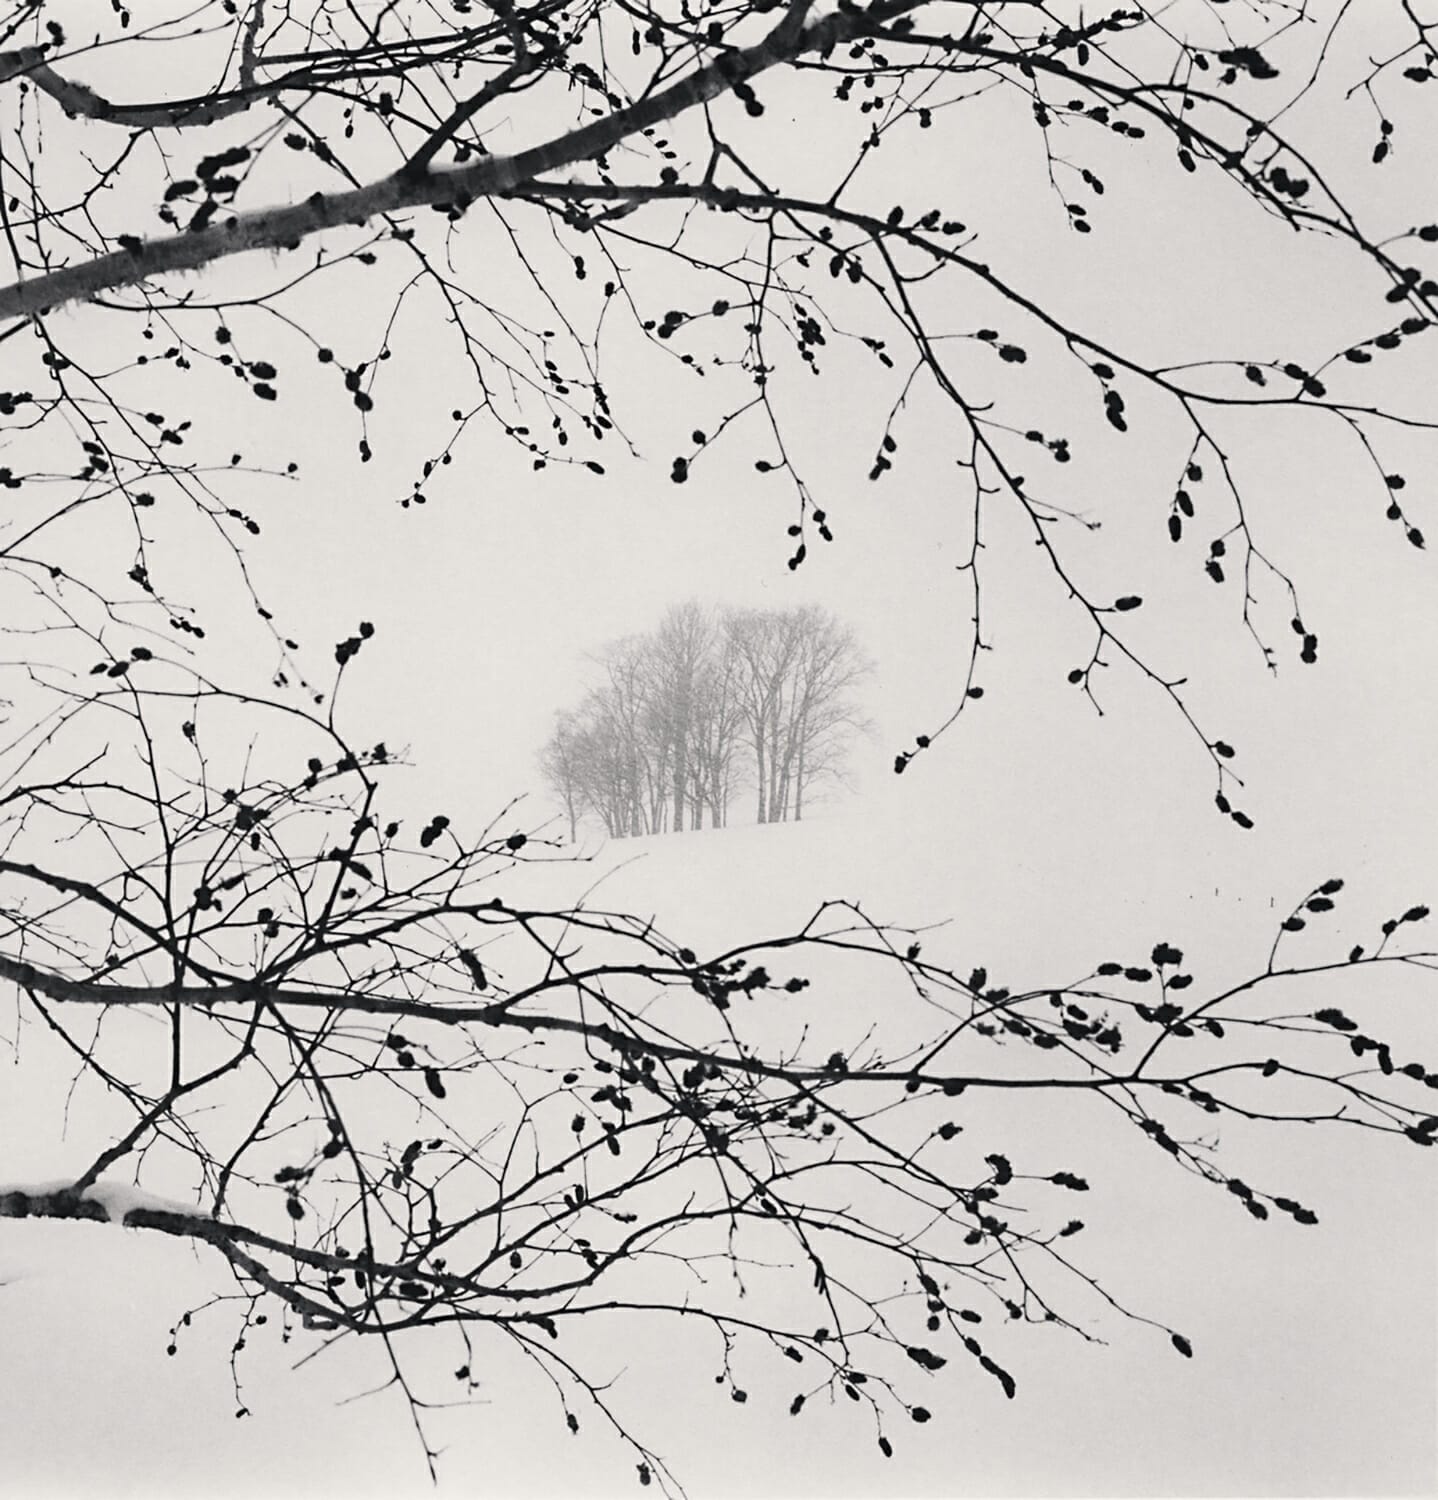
(776,810)
(759,754)
(680,779)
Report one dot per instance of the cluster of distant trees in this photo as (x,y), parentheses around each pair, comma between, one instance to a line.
(710,705)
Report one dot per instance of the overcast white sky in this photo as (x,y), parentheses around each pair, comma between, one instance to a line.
(1047,837)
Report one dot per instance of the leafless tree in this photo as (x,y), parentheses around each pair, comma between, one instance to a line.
(679,705)
(680,652)
(716,737)
(564,765)
(397,1107)
(799,669)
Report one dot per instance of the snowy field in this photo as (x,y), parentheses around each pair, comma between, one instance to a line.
(1314,1365)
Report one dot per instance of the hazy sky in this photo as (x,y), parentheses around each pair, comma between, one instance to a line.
(1046,836)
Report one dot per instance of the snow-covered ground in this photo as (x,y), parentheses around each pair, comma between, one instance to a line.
(1314,1370)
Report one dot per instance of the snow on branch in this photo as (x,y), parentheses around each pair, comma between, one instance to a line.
(285,227)
(101,1202)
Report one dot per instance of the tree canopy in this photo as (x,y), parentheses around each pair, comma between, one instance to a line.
(314,1032)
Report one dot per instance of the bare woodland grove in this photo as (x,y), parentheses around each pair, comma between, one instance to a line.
(716,761)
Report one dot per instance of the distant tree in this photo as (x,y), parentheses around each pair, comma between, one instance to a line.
(681,654)
(622,711)
(396,1105)
(766,647)
(680,704)
(797,669)
(716,735)
(565,764)
(823,716)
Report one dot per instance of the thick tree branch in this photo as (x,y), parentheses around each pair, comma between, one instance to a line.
(626,1040)
(80,100)
(287,226)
